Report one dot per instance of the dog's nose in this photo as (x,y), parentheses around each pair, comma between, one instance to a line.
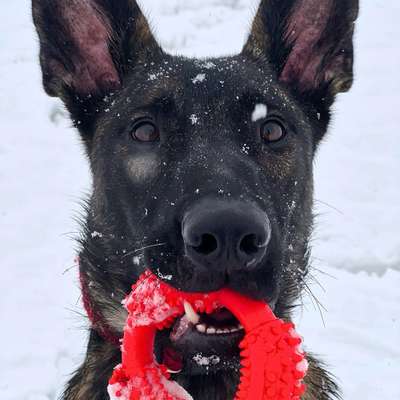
(226,235)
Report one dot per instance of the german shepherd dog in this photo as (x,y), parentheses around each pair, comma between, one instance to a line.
(202,170)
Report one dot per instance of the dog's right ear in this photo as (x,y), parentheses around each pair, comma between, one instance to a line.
(86,46)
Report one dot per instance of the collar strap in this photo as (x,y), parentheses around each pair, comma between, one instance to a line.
(97,320)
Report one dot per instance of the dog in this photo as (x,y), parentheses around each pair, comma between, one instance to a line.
(202,170)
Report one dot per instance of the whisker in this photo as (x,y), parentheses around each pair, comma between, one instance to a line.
(144,248)
(148,247)
(317,282)
(316,302)
(76,313)
(323,272)
(69,268)
(330,206)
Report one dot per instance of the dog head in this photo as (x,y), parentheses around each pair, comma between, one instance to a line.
(202,169)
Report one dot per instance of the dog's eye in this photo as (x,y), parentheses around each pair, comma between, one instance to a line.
(145,131)
(272,131)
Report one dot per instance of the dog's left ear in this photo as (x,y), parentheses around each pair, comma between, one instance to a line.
(308,42)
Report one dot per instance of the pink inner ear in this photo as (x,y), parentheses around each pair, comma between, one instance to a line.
(91,34)
(305,28)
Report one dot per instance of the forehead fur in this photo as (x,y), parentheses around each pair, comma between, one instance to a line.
(211,83)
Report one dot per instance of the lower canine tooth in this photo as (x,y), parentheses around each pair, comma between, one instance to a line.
(173,372)
(201,328)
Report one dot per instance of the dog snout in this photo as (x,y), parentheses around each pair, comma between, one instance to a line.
(226,236)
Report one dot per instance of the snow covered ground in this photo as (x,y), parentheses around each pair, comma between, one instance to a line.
(357,244)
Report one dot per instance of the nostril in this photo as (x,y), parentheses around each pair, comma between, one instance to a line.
(249,245)
(208,244)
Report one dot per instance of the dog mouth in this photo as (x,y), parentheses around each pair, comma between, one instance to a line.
(219,322)
(199,343)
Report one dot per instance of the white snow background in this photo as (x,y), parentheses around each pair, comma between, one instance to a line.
(43,174)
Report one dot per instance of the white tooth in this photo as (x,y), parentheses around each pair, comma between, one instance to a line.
(173,372)
(211,330)
(240,326)
(226,330)
(201,328)
(219,331)
(192,316)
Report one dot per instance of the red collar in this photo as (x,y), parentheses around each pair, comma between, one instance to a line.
(95,316)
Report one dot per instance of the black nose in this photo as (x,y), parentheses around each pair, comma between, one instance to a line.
(226,235)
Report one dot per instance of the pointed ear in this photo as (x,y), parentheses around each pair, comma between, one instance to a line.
(86,46)
(308,42)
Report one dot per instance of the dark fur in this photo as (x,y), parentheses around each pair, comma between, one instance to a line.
(100,58)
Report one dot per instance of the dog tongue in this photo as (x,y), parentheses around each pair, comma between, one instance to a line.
(172,360)
(181,326)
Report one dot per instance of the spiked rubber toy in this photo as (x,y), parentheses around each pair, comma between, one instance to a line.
(273,364)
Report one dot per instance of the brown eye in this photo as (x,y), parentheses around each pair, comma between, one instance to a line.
(145,131)
(272,131)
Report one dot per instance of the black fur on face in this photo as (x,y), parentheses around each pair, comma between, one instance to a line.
(169,137)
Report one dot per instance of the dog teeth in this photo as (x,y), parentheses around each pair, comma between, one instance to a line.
(191,315)
(201,328)
(212,330)
(171,371)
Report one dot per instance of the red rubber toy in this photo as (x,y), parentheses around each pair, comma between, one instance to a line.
(273,364)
